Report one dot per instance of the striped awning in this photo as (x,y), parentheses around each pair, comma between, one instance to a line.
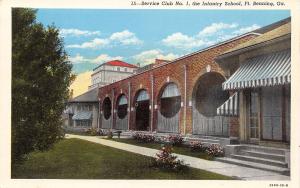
(84,115)
(229,107)
(266,70)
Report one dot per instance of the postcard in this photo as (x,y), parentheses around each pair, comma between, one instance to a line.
(150,93)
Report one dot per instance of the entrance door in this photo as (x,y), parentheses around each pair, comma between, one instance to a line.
(253,114)
(142,115)
(142,111)
(272,113)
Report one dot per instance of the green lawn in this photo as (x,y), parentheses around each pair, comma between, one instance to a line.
(78,159)
(184,150)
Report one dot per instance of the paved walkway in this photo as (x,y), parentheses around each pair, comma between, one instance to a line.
(226,169)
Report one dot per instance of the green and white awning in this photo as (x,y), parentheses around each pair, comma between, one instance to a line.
(83,115)
(229,107)
(265,70)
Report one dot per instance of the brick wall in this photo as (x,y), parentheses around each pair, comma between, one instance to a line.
(197,64)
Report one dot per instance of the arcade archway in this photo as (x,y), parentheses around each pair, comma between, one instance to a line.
(106,113)
(142,112)
(168,113)
(207,97)
(122,113)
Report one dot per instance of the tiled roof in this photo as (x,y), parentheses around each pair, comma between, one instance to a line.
(268,36)
(90,96)
(120,63)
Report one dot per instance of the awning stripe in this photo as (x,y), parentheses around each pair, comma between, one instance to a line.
(229,107)
(83,115)
(266,70)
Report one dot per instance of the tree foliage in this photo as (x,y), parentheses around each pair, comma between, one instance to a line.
(41,75)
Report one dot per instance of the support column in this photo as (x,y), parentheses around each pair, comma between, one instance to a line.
(152,102)
(243,118)
(129,105)
(185,97)
(112,109)
(99,114)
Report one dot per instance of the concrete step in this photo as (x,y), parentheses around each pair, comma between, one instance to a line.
(263,149)
(281,170)
(125,133)
(208,137)
(276,157)
(260,160)
(213,141)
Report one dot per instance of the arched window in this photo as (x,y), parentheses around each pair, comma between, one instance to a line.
(122,106)
(170,100)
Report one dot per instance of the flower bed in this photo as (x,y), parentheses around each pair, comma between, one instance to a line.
(143,138)
(215,150)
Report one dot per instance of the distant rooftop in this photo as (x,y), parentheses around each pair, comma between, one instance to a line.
(90,96)
(117,63)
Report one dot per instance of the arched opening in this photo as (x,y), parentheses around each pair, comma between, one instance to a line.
(122,105)
(142,111)
(208,95)
(170,103)
(106,106)
(106,113)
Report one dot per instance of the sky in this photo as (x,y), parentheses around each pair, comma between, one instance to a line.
(93,37)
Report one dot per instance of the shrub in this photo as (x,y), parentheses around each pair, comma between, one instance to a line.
(197,146)
(91,131)
(215,150)
(165,160)
(175,140)
(142,137)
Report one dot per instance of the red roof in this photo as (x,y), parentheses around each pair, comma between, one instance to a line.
(120,63)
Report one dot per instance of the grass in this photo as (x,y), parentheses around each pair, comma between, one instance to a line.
(79,159)
(184,150)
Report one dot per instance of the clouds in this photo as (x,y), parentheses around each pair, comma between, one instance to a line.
(215,27)
(126,38)
(125,45)
(77,32)
(209,35)
(102,58)
(95,43)
(118,38)
(181,41)
(149,56)
(246,29)
(77,59)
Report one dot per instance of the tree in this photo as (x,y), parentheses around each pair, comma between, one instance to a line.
(41,75)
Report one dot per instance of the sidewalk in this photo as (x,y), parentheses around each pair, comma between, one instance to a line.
(240,172)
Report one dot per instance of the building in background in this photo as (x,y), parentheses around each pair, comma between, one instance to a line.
(82,111)
(110,72)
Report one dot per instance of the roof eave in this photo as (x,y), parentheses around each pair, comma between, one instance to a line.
(251,47)
(82,101)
